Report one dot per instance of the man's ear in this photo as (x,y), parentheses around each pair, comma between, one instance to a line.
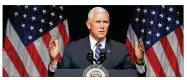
(88,24)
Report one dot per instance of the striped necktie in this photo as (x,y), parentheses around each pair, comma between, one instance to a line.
(97,51)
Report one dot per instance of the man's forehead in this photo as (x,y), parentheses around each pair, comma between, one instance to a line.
(101,14)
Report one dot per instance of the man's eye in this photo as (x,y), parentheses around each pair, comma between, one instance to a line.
(98,21)
(106,21)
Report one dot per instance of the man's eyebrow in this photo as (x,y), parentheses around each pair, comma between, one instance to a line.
(98,21)
(106,21)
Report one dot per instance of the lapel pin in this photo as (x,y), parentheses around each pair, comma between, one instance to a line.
(108,51)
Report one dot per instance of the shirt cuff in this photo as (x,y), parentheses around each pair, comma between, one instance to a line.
(140,68)
(52,67)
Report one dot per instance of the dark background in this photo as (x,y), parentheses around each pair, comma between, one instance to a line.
(120,17)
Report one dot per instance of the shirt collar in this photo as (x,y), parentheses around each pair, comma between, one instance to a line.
(93,42)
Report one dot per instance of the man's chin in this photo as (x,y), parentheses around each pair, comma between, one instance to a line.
(101,37)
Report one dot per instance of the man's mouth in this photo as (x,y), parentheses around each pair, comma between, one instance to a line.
(101,31)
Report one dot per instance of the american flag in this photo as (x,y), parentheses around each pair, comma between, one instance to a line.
(160,29)
(28,32)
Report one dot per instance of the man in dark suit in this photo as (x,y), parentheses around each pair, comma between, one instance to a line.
(75,54)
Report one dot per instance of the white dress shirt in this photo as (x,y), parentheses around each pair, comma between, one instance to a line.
(93,44)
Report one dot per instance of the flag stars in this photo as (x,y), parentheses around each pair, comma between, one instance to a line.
(32,27)
(24,16)
(61,8)
(158,34)
(30,37)
(148,42)
(42,20)
(161,15)
(163,6)
(40,30)
(138,9)
(60,17)
(169,19)
(23,25)
(145,11)
(153,12)
(143,20)
(142,30)
(151,22)
(167,28)
(171,9)
(52,14)
(51,23)
(26,7)
(177,21)
(159,25)
(16,13)
(137,19)
(149,32)
(33,18)
(35,9)
(178,13)
(44,11)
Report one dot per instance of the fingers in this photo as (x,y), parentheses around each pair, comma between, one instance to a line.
(137,44)
(141,44)
(50,44)
(55,42)
(51,40)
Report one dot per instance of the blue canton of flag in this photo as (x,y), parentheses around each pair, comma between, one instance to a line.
(31,22)
(155,22)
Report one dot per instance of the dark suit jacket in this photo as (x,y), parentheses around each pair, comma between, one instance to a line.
(75,56)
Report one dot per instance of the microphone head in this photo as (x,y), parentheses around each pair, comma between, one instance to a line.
(102,55)
(90,56)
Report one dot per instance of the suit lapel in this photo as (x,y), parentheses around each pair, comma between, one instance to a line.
(86,48)
(108,52)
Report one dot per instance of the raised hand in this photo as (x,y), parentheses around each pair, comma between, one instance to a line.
(53,50)
(139,51)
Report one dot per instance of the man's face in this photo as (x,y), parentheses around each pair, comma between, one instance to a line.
(98,25)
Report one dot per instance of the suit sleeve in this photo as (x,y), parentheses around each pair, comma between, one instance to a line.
(66,60)
(129,65)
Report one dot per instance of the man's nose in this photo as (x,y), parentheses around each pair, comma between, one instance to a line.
(102,25)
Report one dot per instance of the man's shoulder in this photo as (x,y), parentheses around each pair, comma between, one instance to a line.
(116,43)
(78,42)
(117,47)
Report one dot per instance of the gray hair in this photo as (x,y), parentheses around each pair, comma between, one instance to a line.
(98,9)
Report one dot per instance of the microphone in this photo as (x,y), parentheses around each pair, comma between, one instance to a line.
(102,55)
(90,56)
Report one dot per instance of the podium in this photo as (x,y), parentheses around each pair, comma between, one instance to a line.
(79,73)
